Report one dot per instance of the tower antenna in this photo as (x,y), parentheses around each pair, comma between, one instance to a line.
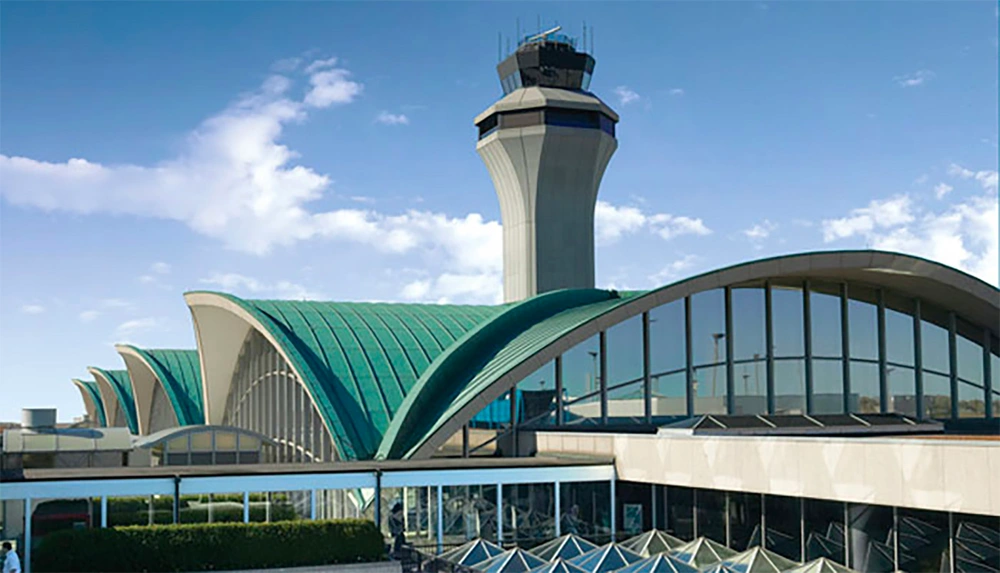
(499,47)
(539,30)
(518,37)
(508,45)
(584,36)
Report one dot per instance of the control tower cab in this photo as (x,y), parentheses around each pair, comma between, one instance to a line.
(546,144)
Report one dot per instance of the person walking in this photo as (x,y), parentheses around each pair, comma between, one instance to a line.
(11,562)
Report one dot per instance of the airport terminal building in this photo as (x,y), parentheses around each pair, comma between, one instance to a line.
(839,404)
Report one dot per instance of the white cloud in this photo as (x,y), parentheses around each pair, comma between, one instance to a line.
(917,78)
(986,178)
(118,303)
(241,284)
(626,95)
(160,268)
(677,92)
(942,189)
(612,223)
(673,270)
(963,235)
(386,118)
(33,309)
(878,214)
(131,327)
(89,315)
(760,231)
(921,180)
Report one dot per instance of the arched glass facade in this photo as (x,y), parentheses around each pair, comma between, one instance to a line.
(267,397)
(771,347)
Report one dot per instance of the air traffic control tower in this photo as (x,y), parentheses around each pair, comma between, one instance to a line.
(546,144)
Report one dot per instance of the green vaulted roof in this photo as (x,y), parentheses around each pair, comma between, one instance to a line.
(360,360)
(180,373)
(122,387)
(461,374)
(90,387)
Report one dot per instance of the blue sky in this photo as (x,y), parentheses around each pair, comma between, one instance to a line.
(327,150)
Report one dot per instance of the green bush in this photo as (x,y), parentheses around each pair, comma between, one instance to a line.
(210,547)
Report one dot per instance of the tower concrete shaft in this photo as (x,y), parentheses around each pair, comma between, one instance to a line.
(546,149)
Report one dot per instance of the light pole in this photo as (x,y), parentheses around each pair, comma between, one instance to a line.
(594,381)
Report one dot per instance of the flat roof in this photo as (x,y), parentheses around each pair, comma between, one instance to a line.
(432,464)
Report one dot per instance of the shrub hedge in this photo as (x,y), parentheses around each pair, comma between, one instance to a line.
(210,547)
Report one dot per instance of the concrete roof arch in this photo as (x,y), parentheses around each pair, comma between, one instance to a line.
(178,372)
(357,361)
(421,426)
(92,402)
(116,388)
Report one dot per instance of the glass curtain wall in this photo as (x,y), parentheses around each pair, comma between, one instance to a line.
(834,348)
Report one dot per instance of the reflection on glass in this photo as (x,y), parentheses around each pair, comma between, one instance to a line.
(748,323)
(934,348)
(626,404)
(902,390)
(970,401)
(863,330)
(711,507)
(666,338)
(750,387)
(708,327)
(633,507)
(826,333)
(624,364)
(536,397)
(789,386)
(709,385)
(871,540)
(469,511)
(923,540)
(586,508)
(977,542)
(680,512)
(528,513)
(744,520)
(865,395)
(421,516)
(995,377)
(783,521)
(824,530)
(828,386)
(669,396)
(580,376)
(971,393)
(788,325)
(898,337)
(937,396)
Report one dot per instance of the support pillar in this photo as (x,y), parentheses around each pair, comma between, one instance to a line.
(558,509)
(246,507)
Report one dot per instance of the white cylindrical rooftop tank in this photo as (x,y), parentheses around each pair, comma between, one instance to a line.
(38,417)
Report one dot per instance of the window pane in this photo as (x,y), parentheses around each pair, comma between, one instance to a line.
(711,507)
(902,390)
(744,520)
(624,347)
(934,348)
(748,323)
(898,337)
(970,360)
(863,331)
(580,373)
(709,386)
(669,396)
(586,508)
(977,542)
(666,338)
(789,329)
(626,404)
(826,333)
(937,396)
(680,512)
(923,540)
(708,327)
(784,532)
(971,403)
(864,388)
(536,396)
(871,538)
(529,511)
(750,387)
(824,529)
(995,377)
(828,387)
(789,387)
